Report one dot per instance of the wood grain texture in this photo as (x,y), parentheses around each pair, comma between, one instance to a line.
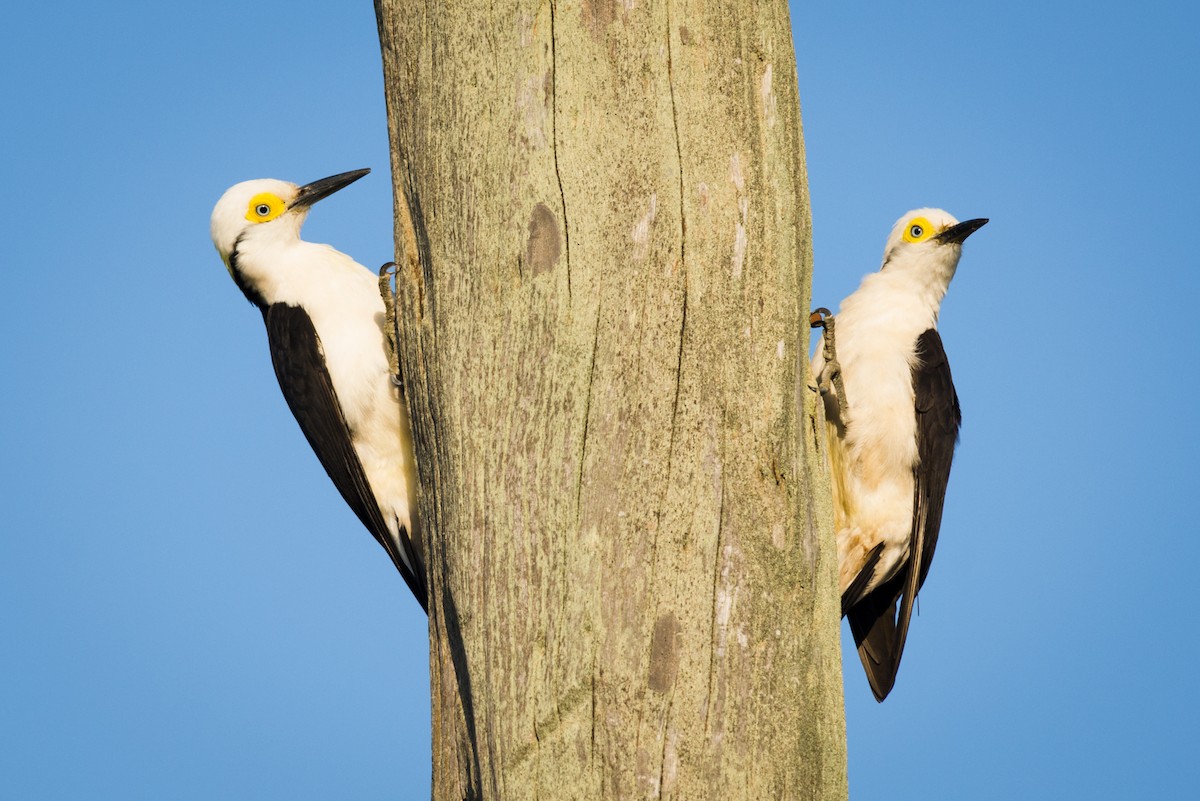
(603,233)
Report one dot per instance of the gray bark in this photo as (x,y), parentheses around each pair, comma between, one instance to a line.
(602,227)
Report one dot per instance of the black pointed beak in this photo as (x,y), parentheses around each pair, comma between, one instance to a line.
(311,193)
(957,233)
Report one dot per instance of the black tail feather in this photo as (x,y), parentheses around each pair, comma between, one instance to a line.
(873,625)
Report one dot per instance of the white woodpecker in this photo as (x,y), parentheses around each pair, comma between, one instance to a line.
(325,328)
(891,432)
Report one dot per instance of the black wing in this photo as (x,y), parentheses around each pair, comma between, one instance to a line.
(938,420)
(878,632)
(308,389)
(856,591)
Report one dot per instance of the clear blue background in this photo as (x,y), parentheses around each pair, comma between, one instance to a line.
(188,611)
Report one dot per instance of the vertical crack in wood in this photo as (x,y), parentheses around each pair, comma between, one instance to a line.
(662,757)
(678,145)
(592,752)
(587,416)
(562,196)
(458,663)
(682,255)
(712,657)
(678,379)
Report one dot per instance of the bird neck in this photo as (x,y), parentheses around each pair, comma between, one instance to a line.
(907,299)
(919,279)
(276,266)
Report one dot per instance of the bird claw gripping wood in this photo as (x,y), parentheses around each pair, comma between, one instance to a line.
(391,332)
(823,318)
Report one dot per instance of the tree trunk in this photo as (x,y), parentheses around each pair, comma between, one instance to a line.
(602,228)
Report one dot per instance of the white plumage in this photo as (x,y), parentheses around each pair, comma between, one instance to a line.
(256,229)
(873,449)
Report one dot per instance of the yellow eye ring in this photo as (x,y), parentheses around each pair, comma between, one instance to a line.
(264,207)
(918,230)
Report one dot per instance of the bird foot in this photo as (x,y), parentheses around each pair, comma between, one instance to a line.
(391,333)
(830,379)
(830,374)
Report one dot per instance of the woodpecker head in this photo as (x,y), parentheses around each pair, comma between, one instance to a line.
(928,240)
(266,209)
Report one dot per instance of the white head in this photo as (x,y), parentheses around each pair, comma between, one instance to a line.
(928,240)
(266,208)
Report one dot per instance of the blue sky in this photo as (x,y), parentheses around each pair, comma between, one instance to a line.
(188,611)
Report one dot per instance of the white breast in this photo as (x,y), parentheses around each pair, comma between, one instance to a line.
(876,331)
(342,300)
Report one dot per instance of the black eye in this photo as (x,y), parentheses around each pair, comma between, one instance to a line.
(262,210)
(916,231)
